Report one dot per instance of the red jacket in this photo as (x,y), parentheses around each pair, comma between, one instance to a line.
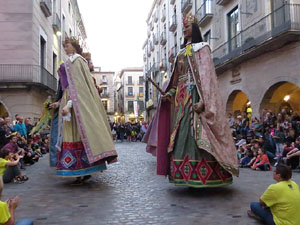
(260,160)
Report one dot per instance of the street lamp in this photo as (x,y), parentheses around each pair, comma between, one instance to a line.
(286,98)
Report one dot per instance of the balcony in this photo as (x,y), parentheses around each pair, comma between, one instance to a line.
(148,33)
(12,75)
(172,54)
(173,23)
(148,52)
(222,2)
(104,95)
(152,46)
(56,23)
(155,16)
(163,65)
(163,39)
(130,95)
(151,26)
(172,2)
(130,83)
(186,5)
(46,7)
(204,13)
(156,67)
(163,15)
(155,38)
(280,27)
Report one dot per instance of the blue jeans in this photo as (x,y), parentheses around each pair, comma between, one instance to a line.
(263,213)
(26,221)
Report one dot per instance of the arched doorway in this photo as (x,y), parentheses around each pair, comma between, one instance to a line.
(3,111)
(282,95)
(237,103)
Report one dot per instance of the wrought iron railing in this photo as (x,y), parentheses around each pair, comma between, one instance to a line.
(56,22)
(29,74)
(46,6)
(281,20)
(163,38)
(173,23)
(204,10)
(185,3)
(163,15)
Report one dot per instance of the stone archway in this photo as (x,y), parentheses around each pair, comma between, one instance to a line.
(237,102)
(281,95)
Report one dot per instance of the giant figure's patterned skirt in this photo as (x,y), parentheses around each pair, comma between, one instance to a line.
(191,165)
(72,161)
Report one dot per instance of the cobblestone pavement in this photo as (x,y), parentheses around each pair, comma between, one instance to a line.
(129,192)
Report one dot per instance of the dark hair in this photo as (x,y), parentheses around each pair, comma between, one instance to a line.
(4,153)
(284,171)
(196,35)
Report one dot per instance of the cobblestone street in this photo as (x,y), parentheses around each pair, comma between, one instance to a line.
(129,192)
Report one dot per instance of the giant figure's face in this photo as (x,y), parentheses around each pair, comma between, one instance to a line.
(187,30)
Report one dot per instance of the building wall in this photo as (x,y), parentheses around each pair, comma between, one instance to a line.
(25,102)
(269,69)
(22,25)
(16,32)
(110,88)
(256,79)
(135,73)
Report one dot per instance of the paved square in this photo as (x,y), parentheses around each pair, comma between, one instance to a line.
(129,192)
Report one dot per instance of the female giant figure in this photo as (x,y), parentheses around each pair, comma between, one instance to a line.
(194,145)
(82,133)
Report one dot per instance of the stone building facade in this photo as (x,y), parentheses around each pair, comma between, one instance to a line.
(32,33)
(105,81)
(255,47)
(130,95)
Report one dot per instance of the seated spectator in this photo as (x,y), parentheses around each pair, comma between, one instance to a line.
(240,140)
(13,147)
(248,157)
(241,152)
(280,203)
(293,155)
(7,212)
(262,161)
(250,164)
(9,168)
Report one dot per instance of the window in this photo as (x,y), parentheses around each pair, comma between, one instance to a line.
(207,37)
(234,29)
(42,51)
(129,79)
(104,80)
(130,106)
(105,104)
(130,91)
(141,79)
(70,32)
(141,106)
(69,6)
(141,91)
(104,92)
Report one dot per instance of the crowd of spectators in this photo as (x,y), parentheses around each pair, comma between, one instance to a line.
(268,140)
(129,131)
(18,148)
